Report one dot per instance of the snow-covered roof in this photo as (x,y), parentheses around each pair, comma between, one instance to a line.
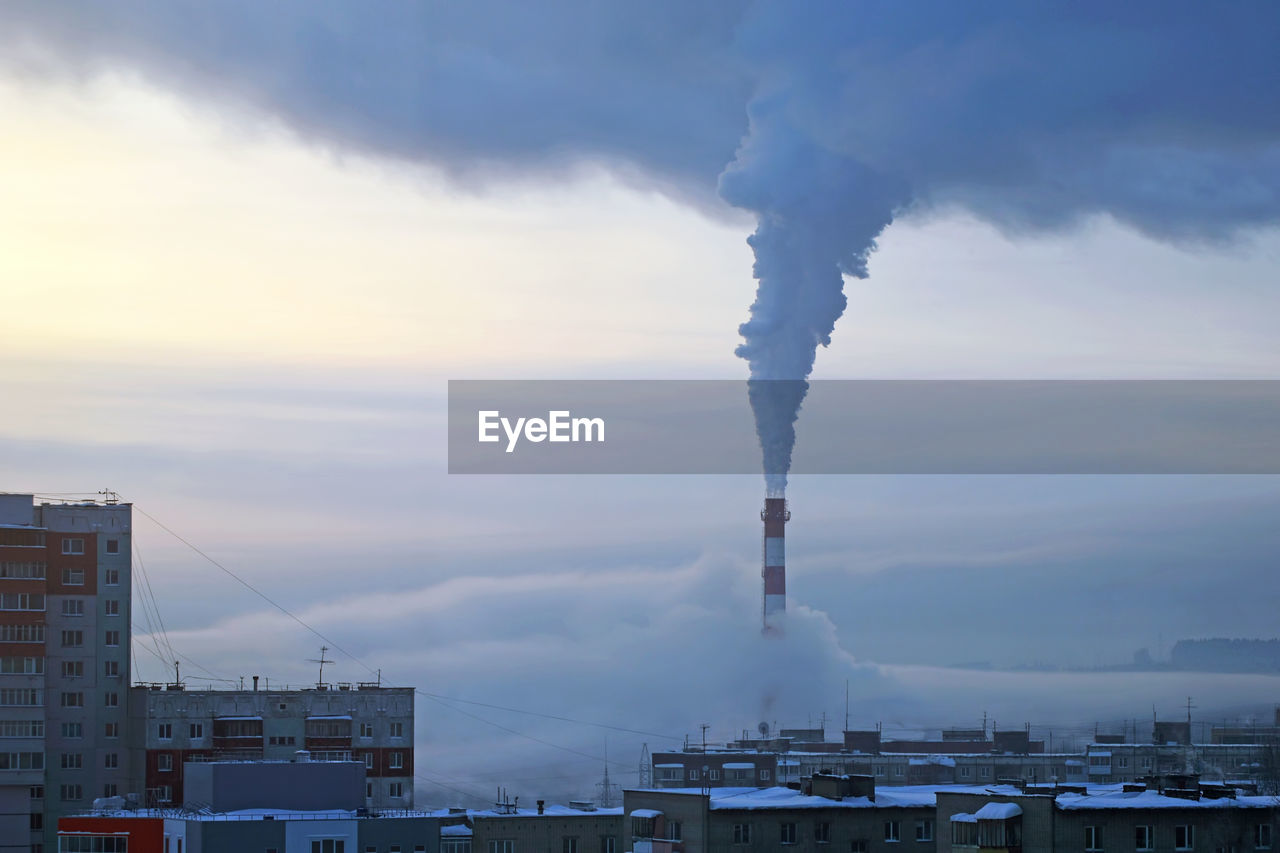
(667,766)
(739,765)
(221,718)
(456,830)
(998,811)
(1121,799)
(648,813)
(963,817)
(318,717)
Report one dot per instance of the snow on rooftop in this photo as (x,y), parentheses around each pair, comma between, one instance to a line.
(1113,798)
(962,817)
(998,811)
(739,765)
(456,830)
(646,813)
(313,717)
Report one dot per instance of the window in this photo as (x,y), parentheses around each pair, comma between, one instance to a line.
(395,789)
(22,601)
(713,775)
(675,831)
(965,771)
(72,700)
(111,699)
(1144,837)
(764,775)
(282,740)
(72,639)
(1184,836)
(110,789)
(1093,838)
(22,728)
(742,833)
(397,729)
(924,830)
(858,845)
(164,762)
(693,775)
(113,546)
(892,830)
(397,761)
(111,761)
(112,577)
(366,730)
(72,546)
(73,607)
(22,666)
(787,833)
(111,730)
(37,792)
(73,577)
(164,731)
(368,790)
(195,731)
(113,638)
(21,633)
(368,761)
(371,848)
(111,668)
(569,845)
(164,794)
(822,832)
(111,607)
(69,793)
(608,844)
(879,769)
(1122,761)
(73,730)
(72,760)
(10,696)
(21,760)
(37,821)
(328,845)
(506,845)
(1262,836)
(985,772)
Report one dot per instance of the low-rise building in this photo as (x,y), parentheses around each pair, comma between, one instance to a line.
(576,828)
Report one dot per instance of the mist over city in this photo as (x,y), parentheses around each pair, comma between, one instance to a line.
(244,251)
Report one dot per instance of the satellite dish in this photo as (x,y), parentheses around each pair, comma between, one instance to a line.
(763,728)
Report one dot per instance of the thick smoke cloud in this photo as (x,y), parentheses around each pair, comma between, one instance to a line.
(1160,115)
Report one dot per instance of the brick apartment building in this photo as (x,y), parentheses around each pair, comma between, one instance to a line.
(365,722)
(65,585)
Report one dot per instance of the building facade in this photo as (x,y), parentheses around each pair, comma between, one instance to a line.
(65,588)
(363,722)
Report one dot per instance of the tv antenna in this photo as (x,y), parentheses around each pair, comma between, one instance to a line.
(322,661)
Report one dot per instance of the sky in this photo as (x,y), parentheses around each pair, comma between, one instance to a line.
(242,252)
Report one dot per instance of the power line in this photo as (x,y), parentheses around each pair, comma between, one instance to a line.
(438,699)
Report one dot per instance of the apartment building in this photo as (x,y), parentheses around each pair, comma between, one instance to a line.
(364,722)
(65,585)
(576,828)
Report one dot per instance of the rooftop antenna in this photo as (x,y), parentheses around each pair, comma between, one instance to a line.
(322,661)
(608,790)
(645,779)
(846,704)
(109,497)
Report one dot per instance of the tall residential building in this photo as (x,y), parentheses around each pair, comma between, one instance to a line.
(365,722)
(65,576)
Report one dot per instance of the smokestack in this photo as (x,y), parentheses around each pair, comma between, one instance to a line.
(255,684)
(775,516)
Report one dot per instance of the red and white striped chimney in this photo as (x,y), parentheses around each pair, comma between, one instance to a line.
(775,516)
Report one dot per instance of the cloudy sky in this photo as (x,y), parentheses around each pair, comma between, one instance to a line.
(241,253)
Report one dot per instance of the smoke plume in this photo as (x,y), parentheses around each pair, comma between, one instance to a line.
(819,214)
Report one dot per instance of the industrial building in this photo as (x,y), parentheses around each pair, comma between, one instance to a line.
(65,586)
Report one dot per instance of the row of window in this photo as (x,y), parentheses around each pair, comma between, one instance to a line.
(75,607)
(75,699)
(253,728)
(75,545)
(677,774)
(75,668)
(787,832)
(93,844)
(569,844)
(21,633)
(1184,837)
(24,697)
(75,761)
(75,639)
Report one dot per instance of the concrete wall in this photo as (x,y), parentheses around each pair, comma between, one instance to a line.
(302,786)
